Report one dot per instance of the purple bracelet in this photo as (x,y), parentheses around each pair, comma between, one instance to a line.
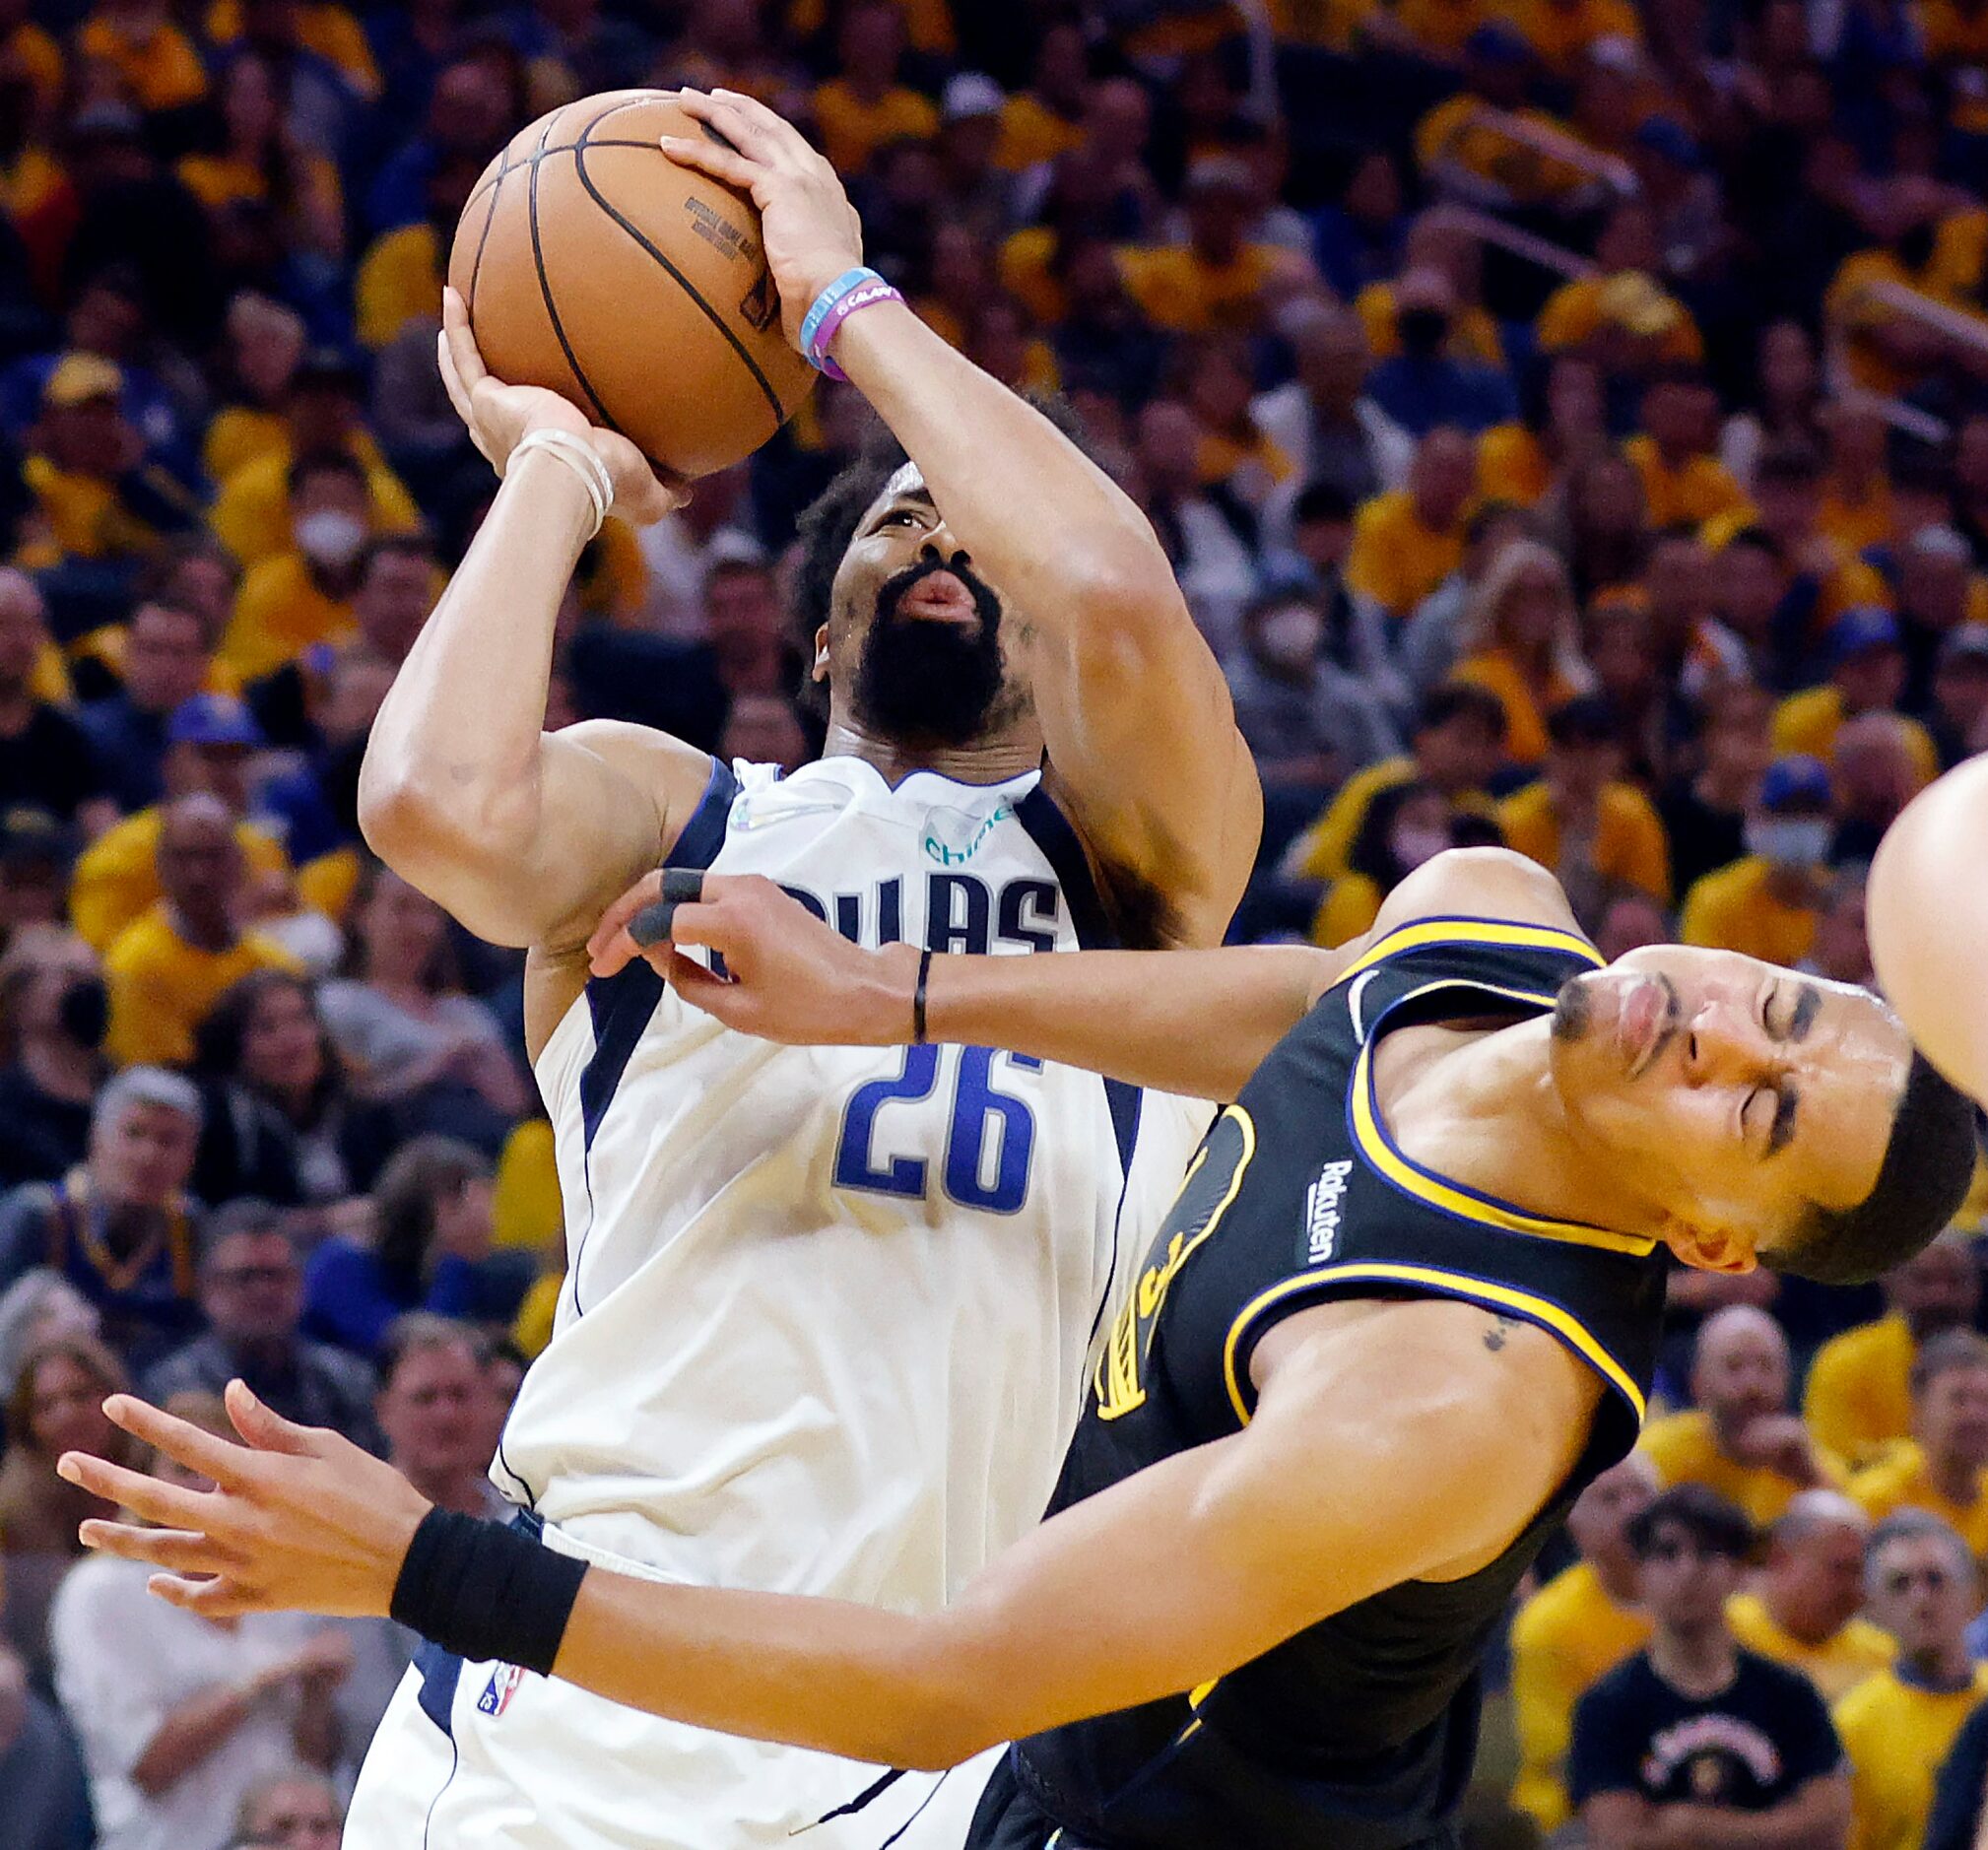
(866,295)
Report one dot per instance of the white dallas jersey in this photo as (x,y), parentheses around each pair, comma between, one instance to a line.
(827,1311)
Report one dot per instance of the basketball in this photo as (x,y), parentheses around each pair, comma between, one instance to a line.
(636,288)
(1928,920)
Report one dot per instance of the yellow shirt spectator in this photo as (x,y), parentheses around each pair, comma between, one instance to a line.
(1576,311)
(1565,1638)
(1686,1450)
(1184,293)
(399,280)
(1902,1477)
(1031,132)
(1323,850)
(155,62)
(251,515)
(240,435)
(1631,847)
(118,876)
(1472,334)
(161,987)
(1525,712)
(1735,909)
(1895,1737)
(1513,466)
(1692,492)
(1394,559)
(1858,1401)
(1856,520)
(279,613)
(1350,905)
(853,127)
(1836,1667)
(1807,723)
(525,1206)
(327,30)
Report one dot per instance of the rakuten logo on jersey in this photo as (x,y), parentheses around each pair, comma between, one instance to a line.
(1321,1211)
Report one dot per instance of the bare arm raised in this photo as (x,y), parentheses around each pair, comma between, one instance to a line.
(522,834)
(1136,716)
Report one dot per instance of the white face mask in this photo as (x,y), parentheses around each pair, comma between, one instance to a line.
(1789,841)
(1290,636)
(330,538)
(1413,846)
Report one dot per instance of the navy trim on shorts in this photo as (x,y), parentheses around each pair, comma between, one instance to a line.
(441,1671)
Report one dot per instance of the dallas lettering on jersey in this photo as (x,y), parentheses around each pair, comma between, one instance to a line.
(963,912)
(1321,1211)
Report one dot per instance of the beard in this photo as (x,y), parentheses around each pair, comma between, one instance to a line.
(928,683)
(1573,1009)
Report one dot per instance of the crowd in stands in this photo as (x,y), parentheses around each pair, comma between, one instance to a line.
(1568,422)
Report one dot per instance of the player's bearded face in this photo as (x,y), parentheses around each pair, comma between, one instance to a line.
(936,679)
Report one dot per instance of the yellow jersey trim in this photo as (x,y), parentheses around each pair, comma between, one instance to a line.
(1439,1191)
(1453,1285)
(1469,931)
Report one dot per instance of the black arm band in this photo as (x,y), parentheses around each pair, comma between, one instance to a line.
(919,997)
(486,1592)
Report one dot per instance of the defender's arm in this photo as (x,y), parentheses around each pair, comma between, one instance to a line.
(1392,1446)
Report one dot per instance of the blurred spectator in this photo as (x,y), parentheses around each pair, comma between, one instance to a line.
(1211,537)
(282,1124)
(164,665)
(37,856)
(1430,643)
(1801,1609)
(867,104)
(1684,482)
(39,1304)
(764,729)
(1959,720)
(401,1023)
(45,757)
(433,1410)
(1219,278)
(209,745)
(1404,827)
(1424,388)
(432,1251)
(1866,674)
(1580,819)
(251,1288)
(1407,541)
(296,1811)
(1454,749)
(1923,1586)
(1882,762)
(179,1715)
(1766,904)
(1940,1466)
(55,1405)
(1521,641)
(1740,1438)
(1696,1720)
(55,1009)
(1859,1399)
(1307,721)
(41,1771)
(169,967)
(1841,948)
(1704,813)
(1788,384)
(1574,1631)
(120,1227)
(1322,418)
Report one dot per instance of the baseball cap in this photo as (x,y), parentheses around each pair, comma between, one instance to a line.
(213,719)
(1867,627)
(1796,783)
(78,378)
(971,93)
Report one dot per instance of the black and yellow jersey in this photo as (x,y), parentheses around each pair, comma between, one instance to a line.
(1357,1734)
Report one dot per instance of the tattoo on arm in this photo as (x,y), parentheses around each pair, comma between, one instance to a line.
(1496,1337)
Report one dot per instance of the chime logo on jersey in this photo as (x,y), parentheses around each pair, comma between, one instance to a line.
(498,1692)
(1321,1211)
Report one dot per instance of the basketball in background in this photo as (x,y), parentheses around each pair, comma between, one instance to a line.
(595,265)
(1927,909)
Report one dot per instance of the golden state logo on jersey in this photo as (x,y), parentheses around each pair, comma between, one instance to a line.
(1213,1179)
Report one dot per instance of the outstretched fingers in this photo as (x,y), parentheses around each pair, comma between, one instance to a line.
(171,1504)
(183,1550)
(184,1443)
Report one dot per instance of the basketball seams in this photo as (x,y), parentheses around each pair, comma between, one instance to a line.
(543,153)
(546,295)
(683,282)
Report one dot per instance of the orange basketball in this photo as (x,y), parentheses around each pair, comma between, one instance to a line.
(595,265)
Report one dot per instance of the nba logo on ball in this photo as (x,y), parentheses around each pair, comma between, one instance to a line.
(498,1692)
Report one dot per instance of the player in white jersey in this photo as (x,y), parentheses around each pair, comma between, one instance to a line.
(826,1311)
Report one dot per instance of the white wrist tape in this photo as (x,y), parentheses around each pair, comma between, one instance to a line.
(580,457)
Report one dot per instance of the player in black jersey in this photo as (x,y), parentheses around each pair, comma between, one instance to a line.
(1403,1310)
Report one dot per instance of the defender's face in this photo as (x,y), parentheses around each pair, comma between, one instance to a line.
(1737,1092)
(915,635)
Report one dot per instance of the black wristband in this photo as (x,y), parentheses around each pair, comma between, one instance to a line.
(486,1592)
(919,997)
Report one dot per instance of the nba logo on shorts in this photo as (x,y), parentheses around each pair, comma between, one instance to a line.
(498,1693)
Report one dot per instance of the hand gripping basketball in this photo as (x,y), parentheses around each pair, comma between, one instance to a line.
(811,230)
(787,975)
(500,417)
